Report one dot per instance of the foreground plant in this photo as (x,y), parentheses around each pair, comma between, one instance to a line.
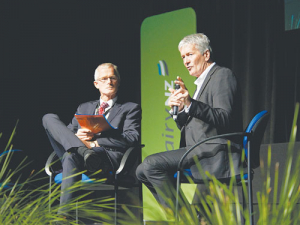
(222,205)
(24,203)
(286,211)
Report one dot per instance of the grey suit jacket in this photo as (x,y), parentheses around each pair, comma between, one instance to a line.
(216,110)
(126,117)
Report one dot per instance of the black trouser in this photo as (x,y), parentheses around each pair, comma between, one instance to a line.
(157,173)
(63,139)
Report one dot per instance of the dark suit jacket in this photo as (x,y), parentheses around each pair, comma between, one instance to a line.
(126,117)
(216,110)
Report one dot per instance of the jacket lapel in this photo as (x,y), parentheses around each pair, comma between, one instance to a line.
(208,77)
(114,111)
(91,110)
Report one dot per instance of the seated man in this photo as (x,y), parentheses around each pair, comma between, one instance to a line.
(81,149)
(214,109)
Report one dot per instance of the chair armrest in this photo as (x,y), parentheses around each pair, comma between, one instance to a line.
(125,157)
(119,170)
(179,167)
(49,163)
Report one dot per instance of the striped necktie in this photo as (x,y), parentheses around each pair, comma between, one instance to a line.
(102,108)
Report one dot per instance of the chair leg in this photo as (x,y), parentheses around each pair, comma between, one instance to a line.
(177,196)
(250,198)
(250,202)
(50,187)
(244,205)
(116,199)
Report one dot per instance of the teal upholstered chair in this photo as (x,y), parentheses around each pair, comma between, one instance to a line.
(252,138)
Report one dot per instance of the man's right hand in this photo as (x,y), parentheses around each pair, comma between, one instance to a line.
(179,97)
(175,99)
(84,134)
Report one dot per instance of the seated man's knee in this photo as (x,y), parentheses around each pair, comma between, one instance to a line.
(48,118)
(148,166)
(71,160)
(140,172)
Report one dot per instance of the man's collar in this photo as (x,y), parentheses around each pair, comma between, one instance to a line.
(204,74)
(110,102)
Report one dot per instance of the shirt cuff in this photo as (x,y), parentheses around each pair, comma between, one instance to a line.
(171,111)
(187,108)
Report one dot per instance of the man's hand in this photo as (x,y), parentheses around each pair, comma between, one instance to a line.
(84,134)
(179,97)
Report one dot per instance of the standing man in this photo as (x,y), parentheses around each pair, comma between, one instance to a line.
(81,149)
(214,109)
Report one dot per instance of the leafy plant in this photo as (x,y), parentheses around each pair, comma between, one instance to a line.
(222,204)
(23,203)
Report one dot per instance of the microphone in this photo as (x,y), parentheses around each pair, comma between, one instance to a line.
(175,107)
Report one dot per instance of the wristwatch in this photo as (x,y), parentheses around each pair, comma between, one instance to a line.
(92,144)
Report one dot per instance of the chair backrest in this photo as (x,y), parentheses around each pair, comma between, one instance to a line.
(53,165)
(257,127)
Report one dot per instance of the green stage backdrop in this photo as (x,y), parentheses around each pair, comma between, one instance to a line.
(160,65)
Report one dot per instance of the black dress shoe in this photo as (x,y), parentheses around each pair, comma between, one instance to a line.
(92,160)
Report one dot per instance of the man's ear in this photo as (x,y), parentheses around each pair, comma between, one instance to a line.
(96,84)
(206,55)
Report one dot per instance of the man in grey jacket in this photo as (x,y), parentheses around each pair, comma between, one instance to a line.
(214,109)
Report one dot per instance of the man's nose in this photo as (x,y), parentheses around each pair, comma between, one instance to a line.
(186,61)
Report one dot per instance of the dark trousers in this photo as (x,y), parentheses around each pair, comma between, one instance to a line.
(157,173)
(63,139)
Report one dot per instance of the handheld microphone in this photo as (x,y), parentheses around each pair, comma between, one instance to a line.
(175,107)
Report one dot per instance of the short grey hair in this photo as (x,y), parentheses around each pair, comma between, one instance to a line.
(107,65)
(200,41)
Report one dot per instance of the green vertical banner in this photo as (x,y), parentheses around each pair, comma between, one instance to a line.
(161,63)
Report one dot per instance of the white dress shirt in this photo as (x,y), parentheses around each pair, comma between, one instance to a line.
(199,82)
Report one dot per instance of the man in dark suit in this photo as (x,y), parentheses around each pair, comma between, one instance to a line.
(214,109)
(81,149)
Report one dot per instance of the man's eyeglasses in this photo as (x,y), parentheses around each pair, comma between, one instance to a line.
(105,79)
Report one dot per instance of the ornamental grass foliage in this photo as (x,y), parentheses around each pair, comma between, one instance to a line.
(22,201)
(222,205)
